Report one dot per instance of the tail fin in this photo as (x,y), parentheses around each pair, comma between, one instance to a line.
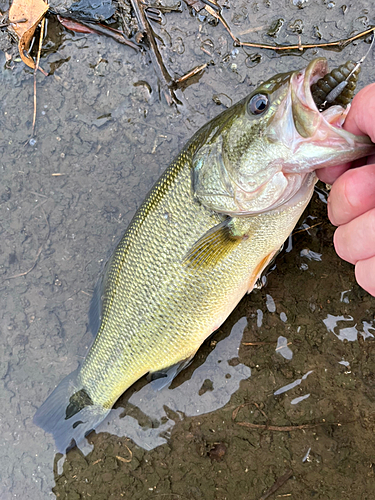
(69,414)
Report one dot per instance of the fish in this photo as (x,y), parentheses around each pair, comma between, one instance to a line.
(208,228)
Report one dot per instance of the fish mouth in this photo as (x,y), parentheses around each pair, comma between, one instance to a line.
(296,139)
(306,115)
(302,81)
(314,138)
(296,123)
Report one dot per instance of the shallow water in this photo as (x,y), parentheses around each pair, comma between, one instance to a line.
(312,326)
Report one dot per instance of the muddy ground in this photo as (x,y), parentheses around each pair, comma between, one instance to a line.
(102,141)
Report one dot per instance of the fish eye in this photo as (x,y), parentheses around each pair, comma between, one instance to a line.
(258,104)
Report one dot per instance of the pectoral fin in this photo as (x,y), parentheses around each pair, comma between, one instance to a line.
(215,245)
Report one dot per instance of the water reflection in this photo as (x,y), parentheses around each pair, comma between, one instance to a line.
(299,399)
(306,457)
(349,333)
(210,387)
(292,384)
(283,349)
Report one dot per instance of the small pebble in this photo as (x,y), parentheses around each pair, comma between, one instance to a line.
(217,452)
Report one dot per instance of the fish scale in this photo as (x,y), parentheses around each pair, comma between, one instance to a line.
(199,242)
(172,300)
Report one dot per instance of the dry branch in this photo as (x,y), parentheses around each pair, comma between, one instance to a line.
(277,484)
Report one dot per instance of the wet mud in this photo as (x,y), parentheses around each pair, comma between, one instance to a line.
(294,363)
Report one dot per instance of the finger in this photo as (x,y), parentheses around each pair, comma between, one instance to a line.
(360,122)
(360,117)
(352,195)
(330,174)
(365,274)
(355,240)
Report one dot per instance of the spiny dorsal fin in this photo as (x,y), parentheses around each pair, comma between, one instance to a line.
(96,304)
(214,246)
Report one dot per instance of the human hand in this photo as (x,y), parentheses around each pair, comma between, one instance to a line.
(351,203)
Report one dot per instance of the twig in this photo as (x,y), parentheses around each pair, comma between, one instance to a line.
(277,484)
(339,44)
(31,268)
(4,20)
(166,8)
(252,30)
(191,73)
(261,411)
(37,254)
(36,70)
(307,228)
(286,428)
(125,27)
(217,14)
(165,78)
(126,460)
(282,346)
(38,194)
(259,343)
(101,29)
(236,410)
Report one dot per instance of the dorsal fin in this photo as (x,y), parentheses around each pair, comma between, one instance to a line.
(96,304)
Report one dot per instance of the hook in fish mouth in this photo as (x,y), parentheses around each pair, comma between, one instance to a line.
(311,112)
(322,90)
(312,129)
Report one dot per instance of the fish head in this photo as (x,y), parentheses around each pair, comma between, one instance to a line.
(261,154)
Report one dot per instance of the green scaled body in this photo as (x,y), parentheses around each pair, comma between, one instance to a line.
(197,244)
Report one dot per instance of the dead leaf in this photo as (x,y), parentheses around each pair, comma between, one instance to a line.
(197,5)
(75,26)
(24,17)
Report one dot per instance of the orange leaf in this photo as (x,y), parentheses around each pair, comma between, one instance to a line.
(24,17)
(75,26)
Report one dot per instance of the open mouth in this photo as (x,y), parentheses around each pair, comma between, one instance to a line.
(319,96)
(322,90)
(302,83)
(315,71)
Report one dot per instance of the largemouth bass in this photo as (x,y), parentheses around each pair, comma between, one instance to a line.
(199,242)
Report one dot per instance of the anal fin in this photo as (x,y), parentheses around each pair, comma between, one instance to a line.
(259,268)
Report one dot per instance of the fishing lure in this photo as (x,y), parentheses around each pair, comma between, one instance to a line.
(338,86)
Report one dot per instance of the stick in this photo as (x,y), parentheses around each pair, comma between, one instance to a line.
(286,428)
(37,254)
(277,484)
(191,73)
(101,29)
(340,44)
(165,78)
(259,343)
(307,228)
(35,72)
(31,268)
